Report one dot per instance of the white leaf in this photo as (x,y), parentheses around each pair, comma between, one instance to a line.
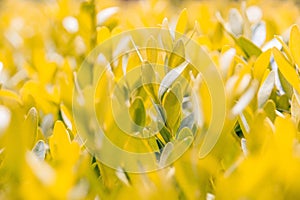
(5,117)
(244,146)
(40,169)
(265,90)
(170,78)
(272,43)
(254,14)
(165,154)
(245,99)
(40,150)
(259,34)
(226,60)
(235,22)
(105,14)
(70,24)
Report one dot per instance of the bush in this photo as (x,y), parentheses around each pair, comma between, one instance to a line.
(218,121)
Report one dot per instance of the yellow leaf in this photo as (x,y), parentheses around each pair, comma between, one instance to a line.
(284,48)
(152,52)
(182,22)
(61,147)
(6,94)
(103,33)
(286,69)
(261,64)
(294,44)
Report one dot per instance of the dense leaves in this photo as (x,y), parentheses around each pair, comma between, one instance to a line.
(255,46)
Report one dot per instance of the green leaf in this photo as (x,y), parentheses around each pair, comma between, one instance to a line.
(270,108)
(283,103)
(248,47)
(138,112)
(164,132)
(172,104)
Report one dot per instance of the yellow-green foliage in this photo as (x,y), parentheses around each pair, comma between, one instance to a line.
(255,46)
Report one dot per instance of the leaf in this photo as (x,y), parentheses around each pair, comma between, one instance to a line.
(106,14)
(47,124)
(165,154)
(184,133)
(178,55)
(285,48)
(283,103)
(287,69)
(44,172)
(254,14)
(270,108)
(5,119)
(149,80)
(226,60)
(103,34)
(294,44)
(259,34)
(182,22)
(284,84)
(66,116)
(295,109)
(61,147)
(30,128)
(172,104)
(236,22)
(165,36)
(265,90)
(170,78)
(245,99)
(40,150)
(244,120)
(261,64)
(164,132)
(187,122)
(248,47)
(6,96)
(180,147)
(152,50)
(151,140)
(138,112)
